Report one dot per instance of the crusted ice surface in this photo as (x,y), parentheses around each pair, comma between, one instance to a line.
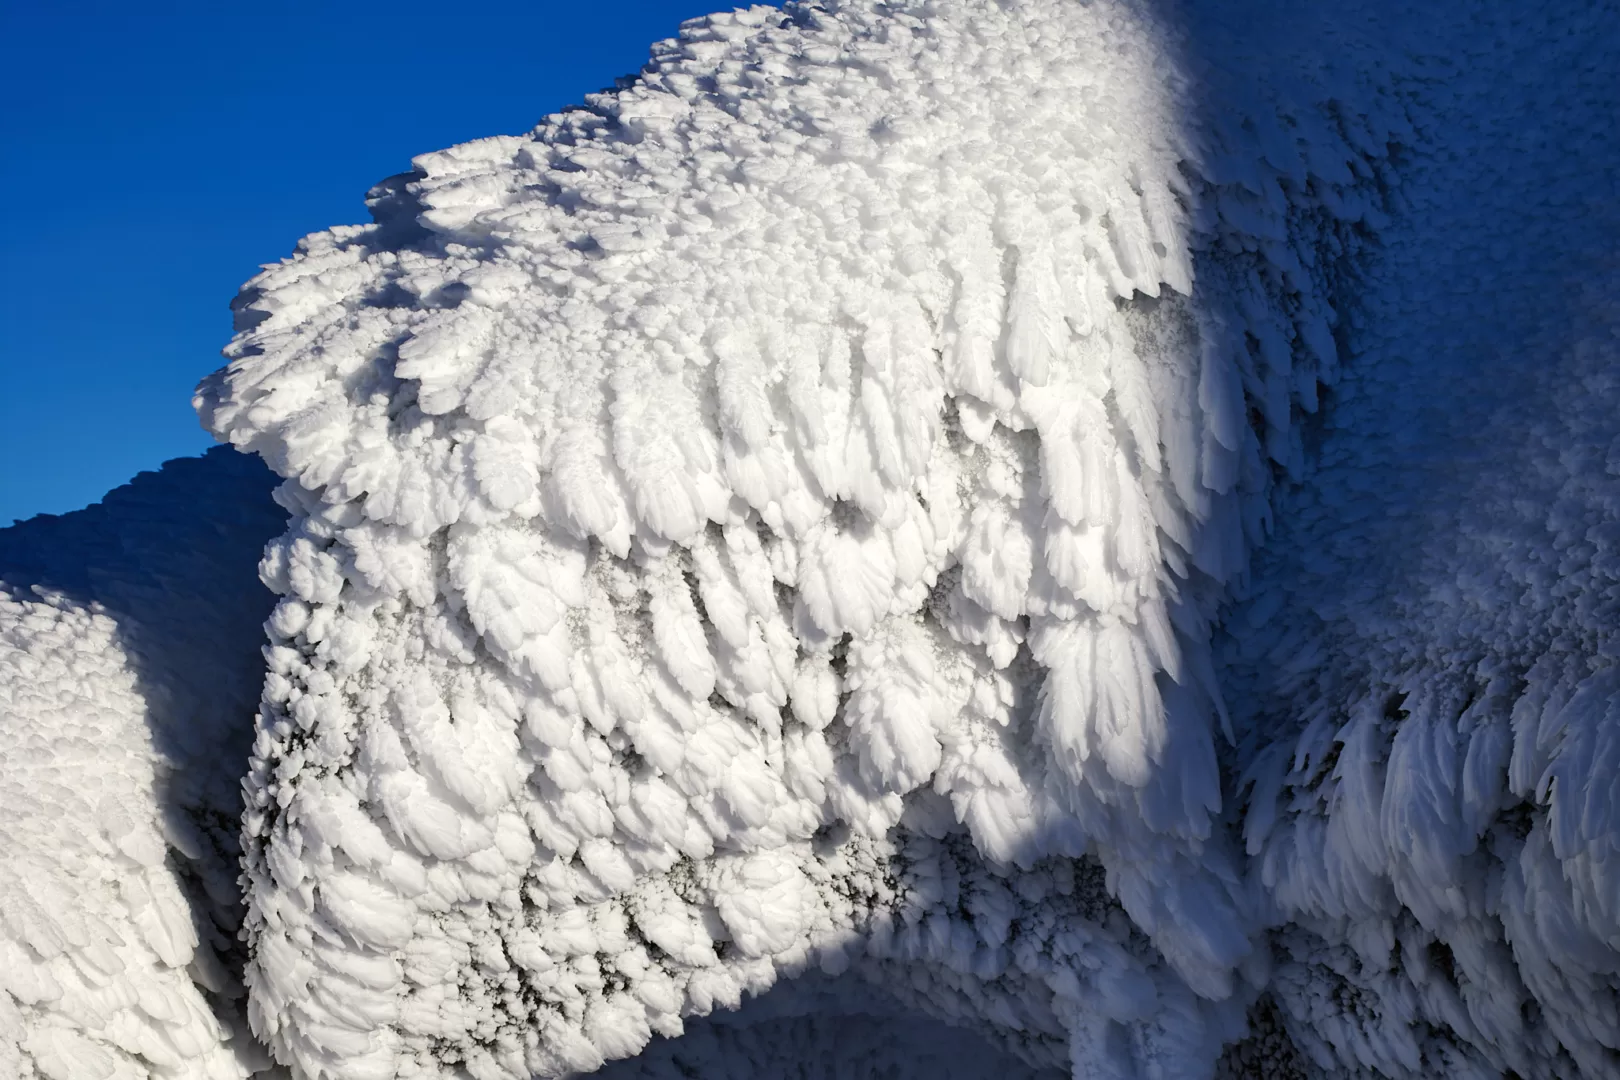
(755,546)
(129,638)
(816,1028)
(1423,677)
(724,510)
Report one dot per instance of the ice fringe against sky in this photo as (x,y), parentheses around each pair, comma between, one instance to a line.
(1091,523)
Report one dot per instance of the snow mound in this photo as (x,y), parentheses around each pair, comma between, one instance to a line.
(128,670)
(772,518)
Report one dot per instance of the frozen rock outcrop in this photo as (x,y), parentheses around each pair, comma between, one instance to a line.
(1092,524)
(772,518)
(1423,677)
(129,667)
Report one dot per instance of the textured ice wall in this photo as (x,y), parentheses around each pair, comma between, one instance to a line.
(1424,677)
(129,667)
(689,492)
(815,1028)
(771,519)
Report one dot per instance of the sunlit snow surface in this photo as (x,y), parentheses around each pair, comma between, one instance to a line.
(770,575)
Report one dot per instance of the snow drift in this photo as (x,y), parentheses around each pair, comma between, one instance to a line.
(770,526)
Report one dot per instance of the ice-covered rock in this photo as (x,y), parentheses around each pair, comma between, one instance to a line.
(129,667)
(1423,677)
(1091,524)
(723,511)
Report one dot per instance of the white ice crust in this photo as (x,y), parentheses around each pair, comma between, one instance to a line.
(97,935)
(771,519)
(1424,676)
(1092,523)
(129,657)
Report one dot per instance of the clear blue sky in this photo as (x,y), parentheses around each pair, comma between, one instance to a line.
(150,162)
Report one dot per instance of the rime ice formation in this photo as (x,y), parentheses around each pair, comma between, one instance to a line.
(819,1029)
(771,520)
(1088,524)
(129,635)
(1423,677)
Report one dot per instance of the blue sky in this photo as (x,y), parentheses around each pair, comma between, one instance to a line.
(150,162)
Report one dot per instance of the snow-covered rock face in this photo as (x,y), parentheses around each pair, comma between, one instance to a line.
(765,529)
(1423,679)
(772,518)
(129,641)
(61,840)
(814,1028)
